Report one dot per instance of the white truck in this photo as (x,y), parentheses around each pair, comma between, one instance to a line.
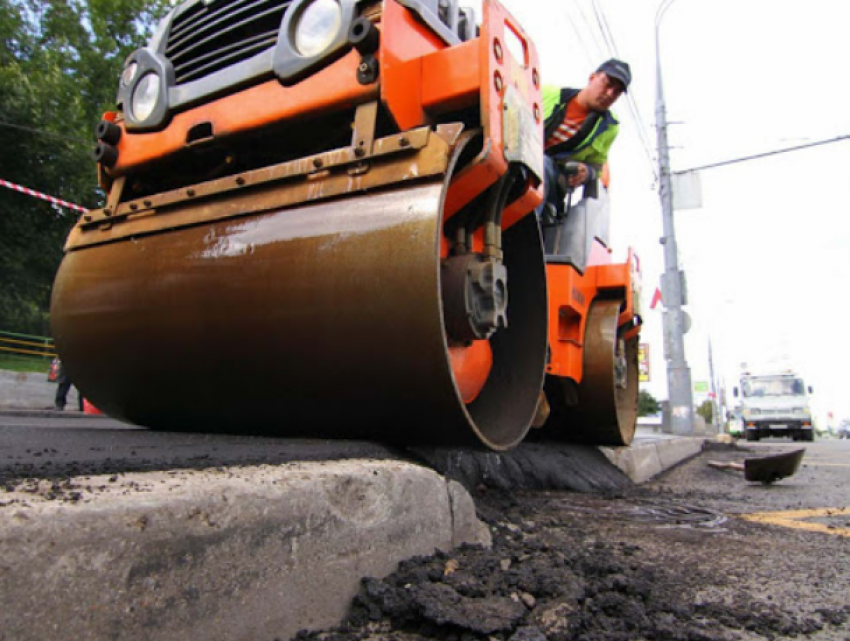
(775,404)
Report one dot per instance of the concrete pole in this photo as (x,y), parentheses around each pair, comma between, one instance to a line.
(679,390)
(715,401)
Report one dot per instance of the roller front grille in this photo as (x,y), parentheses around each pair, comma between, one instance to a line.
(210,37)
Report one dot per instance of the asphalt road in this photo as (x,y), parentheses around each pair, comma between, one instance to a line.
(61,445)
(823,480)
(44,444)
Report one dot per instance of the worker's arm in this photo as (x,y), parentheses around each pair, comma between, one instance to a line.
(595,157)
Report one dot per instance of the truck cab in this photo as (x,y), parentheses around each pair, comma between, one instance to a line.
(775,404)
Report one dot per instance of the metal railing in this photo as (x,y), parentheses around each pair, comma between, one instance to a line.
(26,345)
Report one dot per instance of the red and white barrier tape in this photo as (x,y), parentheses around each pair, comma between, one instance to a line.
(38,194)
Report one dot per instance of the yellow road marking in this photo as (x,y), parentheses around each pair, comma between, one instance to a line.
(794,519)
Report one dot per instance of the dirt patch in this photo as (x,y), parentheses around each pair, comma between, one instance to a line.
(555,573)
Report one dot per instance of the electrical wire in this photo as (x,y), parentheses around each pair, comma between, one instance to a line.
(599,49)
(43,132)
(604,28)
(579,38)
(631,103)
(765,154)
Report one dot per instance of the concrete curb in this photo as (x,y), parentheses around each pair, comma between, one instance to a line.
(230,554)
(644,459)
(48,412)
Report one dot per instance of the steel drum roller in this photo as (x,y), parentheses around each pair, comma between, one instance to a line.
(321,320)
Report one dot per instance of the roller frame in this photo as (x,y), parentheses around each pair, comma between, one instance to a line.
(360,277)
(421,80)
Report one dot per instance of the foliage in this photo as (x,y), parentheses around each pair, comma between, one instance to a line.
(15,363)
(706,410)
(647,405)
(59,65)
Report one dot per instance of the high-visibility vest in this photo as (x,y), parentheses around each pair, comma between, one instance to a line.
(591,142)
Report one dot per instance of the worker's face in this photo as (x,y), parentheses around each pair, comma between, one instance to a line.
(603,91)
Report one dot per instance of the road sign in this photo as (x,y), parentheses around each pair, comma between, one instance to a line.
(643,362)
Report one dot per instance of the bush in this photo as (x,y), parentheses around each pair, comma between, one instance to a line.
(706,410)
(647,405)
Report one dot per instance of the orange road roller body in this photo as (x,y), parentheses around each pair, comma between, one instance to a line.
(320,222)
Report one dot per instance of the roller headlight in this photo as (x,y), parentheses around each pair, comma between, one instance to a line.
(145,96)
(317,27)
(129,74)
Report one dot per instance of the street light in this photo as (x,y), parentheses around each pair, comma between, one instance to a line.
(679,389)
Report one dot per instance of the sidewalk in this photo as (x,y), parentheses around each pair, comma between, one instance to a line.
(27,390)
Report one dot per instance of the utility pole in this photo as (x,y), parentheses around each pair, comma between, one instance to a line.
(680,392)
(716,406)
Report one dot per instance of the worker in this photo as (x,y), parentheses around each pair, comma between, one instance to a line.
(63,388)
(579,131)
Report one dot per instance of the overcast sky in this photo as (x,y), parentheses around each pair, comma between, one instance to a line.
(765,256)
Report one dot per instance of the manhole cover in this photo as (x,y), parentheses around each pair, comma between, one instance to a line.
(649,512)
(677,515)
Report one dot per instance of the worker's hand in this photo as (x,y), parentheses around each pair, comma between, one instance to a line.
(579,177)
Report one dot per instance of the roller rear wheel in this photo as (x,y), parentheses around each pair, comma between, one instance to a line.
(602,409)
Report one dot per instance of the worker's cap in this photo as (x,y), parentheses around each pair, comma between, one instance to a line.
(618,70)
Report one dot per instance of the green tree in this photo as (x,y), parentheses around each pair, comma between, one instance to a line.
(706,410)
(647,404)
(59,67)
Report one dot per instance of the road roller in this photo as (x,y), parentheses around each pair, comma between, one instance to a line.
(319,221)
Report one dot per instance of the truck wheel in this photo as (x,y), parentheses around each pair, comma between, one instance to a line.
(752,435)
(808,435)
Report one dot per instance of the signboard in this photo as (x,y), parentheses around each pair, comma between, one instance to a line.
(643,362)
(701,387)
(687,190)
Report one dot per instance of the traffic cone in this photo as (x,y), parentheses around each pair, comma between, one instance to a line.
(88,408)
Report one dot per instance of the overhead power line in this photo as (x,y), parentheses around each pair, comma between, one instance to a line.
(605,29)
(599,44)
(579,38)
(765,154)
(631,103)
(44,132)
